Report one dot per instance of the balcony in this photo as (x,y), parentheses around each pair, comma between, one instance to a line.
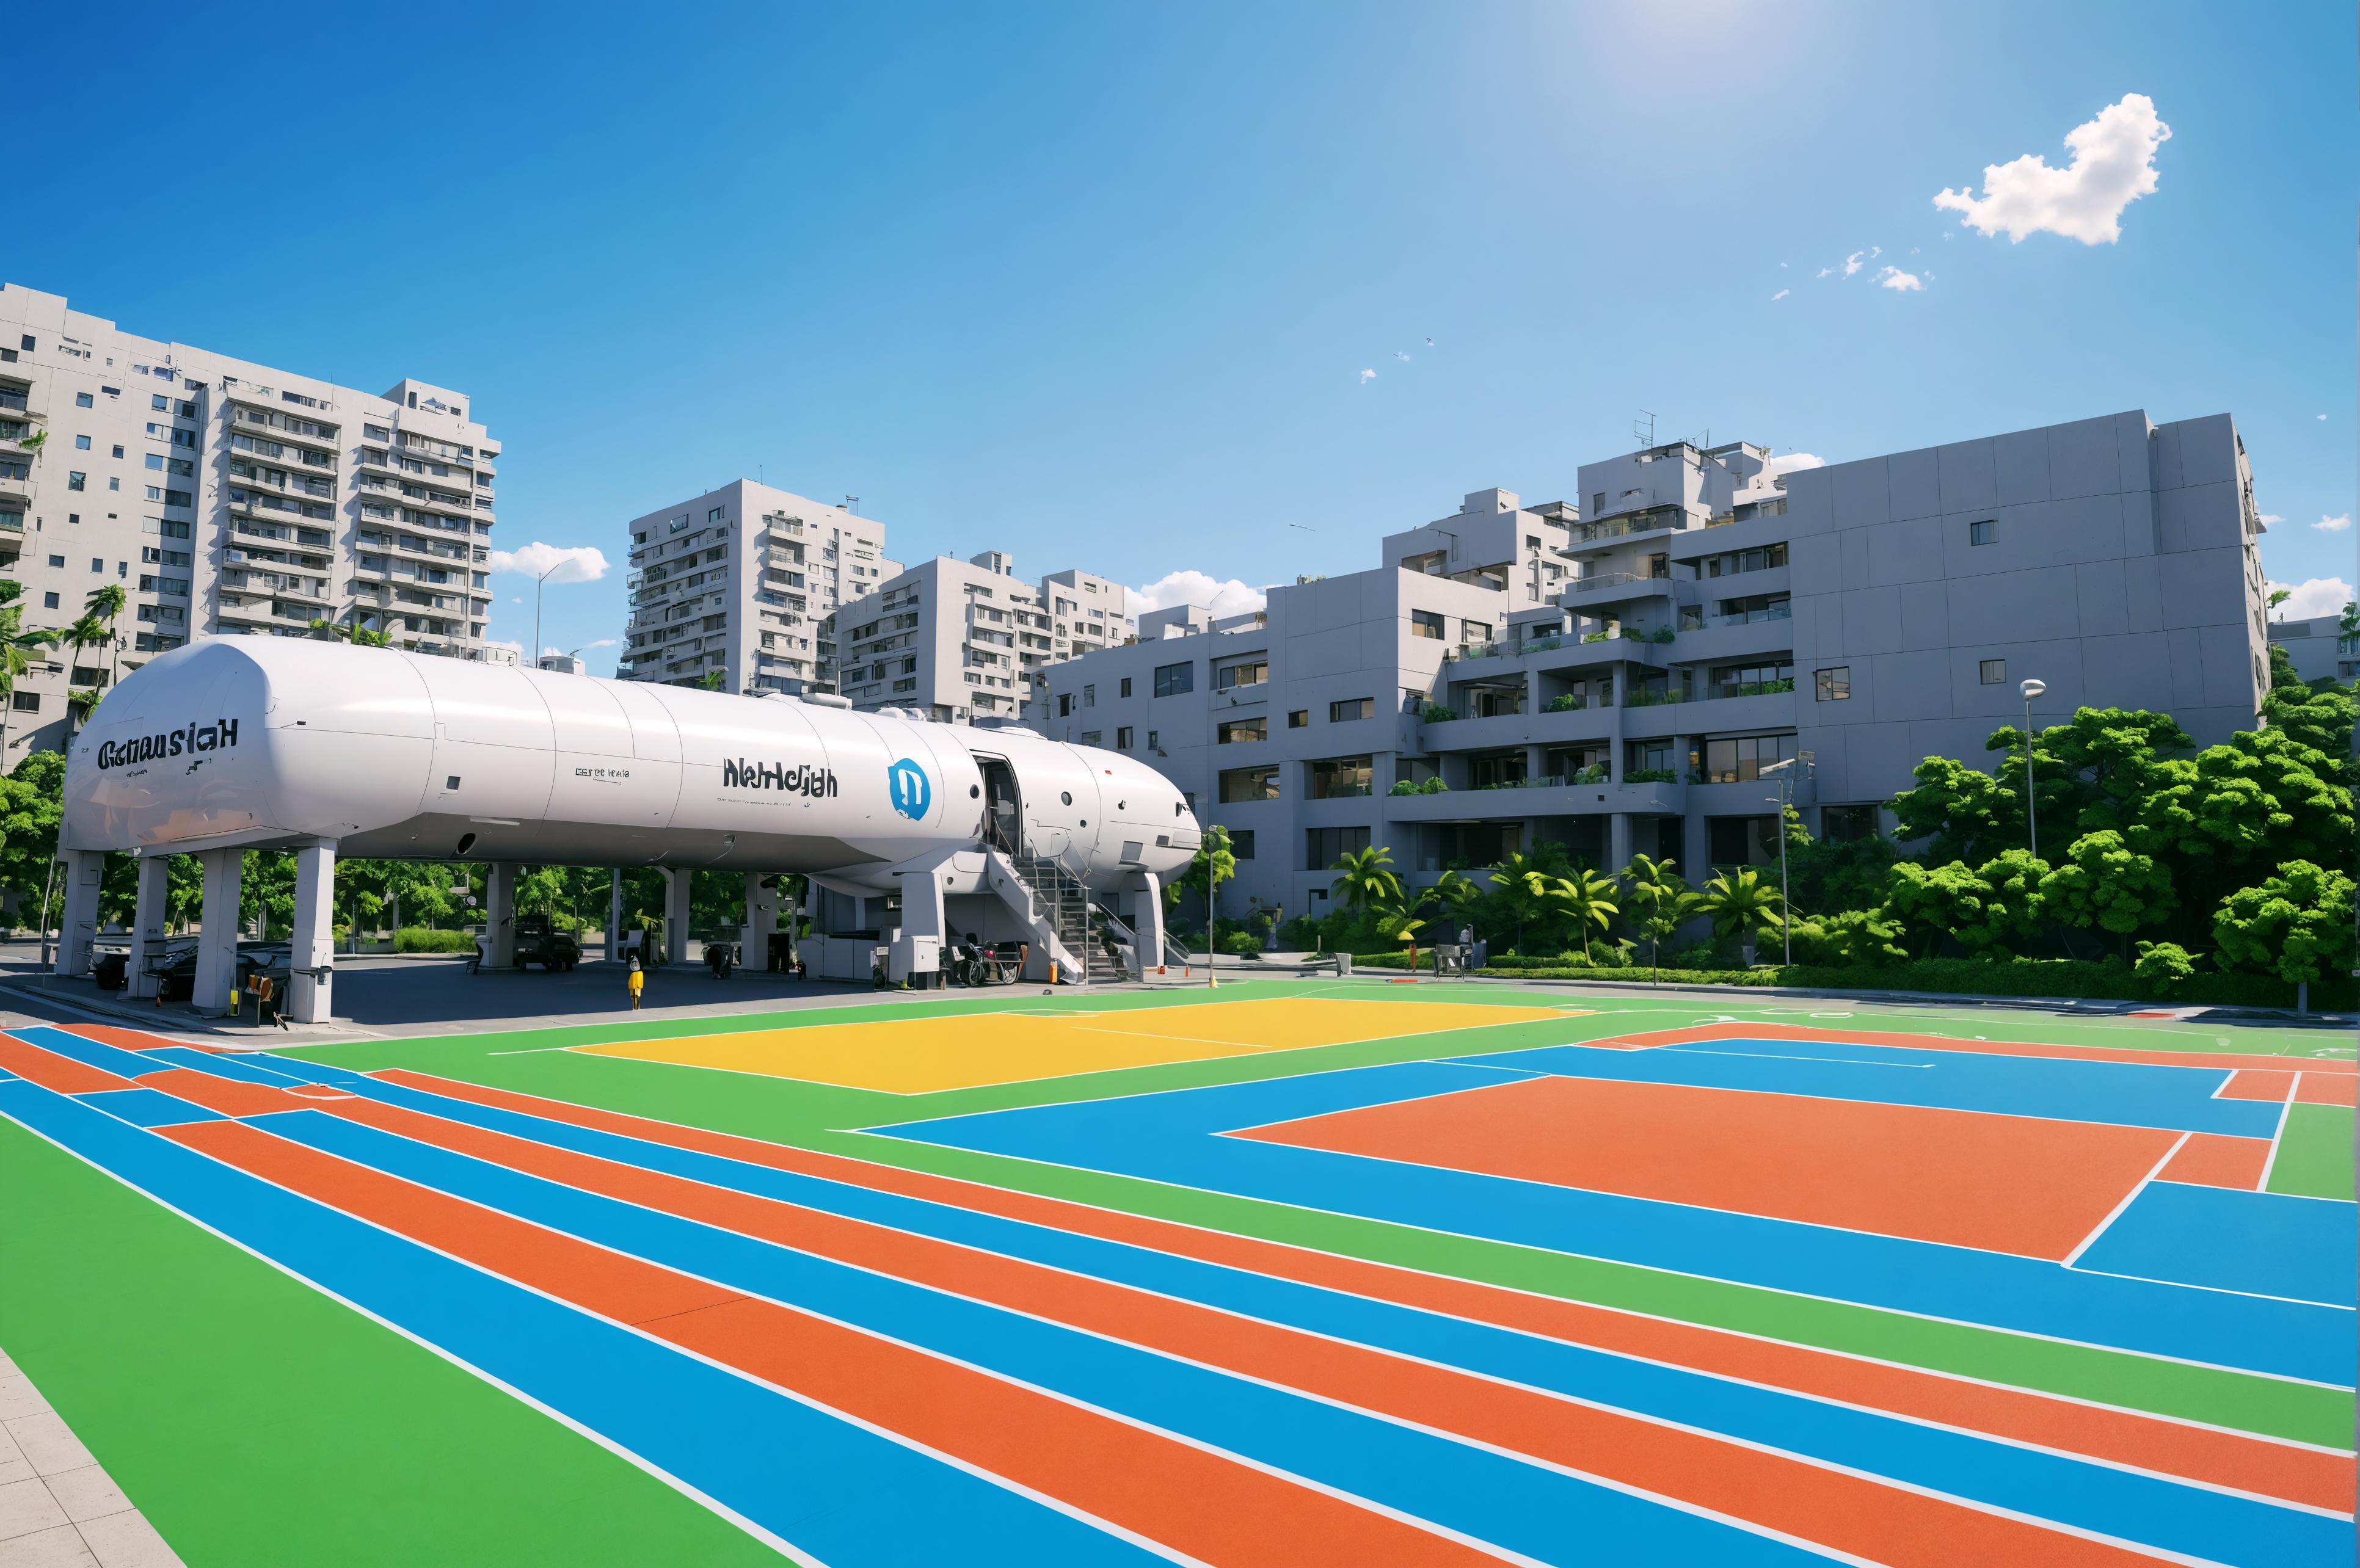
(1614,585)
(1539,798)
(1591,538)
(23,402)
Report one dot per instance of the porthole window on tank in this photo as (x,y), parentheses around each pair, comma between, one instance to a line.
(1066,796)
(973,791)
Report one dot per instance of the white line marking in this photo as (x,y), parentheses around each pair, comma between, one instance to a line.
(2115,1212)
(534,1052)
(1782,1056)
(2277,1134)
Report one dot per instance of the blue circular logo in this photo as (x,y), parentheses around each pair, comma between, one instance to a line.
(905,781)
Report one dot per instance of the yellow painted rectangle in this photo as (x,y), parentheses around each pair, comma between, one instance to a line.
(921,1056)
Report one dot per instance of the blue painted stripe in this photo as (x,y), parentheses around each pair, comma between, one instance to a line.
(89,1053)
(2072,1491)
(1493,1498)
(2123,1094)
(148,1108)
(233,1067)
(1164,1137)
(843,1494)
(2307,1248)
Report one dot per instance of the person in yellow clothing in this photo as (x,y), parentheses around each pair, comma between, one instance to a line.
(638,982)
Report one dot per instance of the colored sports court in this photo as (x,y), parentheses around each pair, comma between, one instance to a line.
(1284,1273)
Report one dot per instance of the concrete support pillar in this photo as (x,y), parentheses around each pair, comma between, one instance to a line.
(216,977)
(500,915)
(1143,907)
(313,946)
(82,869)
(149,916)
(614,915)
(917,950)
(677,884)
(1618,842)
(762,920)
(1695,863)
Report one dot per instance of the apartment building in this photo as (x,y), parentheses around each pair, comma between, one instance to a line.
(745,581)
(224,497)
(1710,617)
(2320,647)
(962,640)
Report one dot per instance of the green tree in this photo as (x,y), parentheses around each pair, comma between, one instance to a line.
(17,651)
(1986,909)
(2296,925)
(1961,812)
(1834,874)
(1399,922)
(1741,904)
(106,603)
(1865,938)
(2163,964)
(1457,898)
(2233,812)
(1659,899)
(711,681)
(1215,864)
(2104,883)
(1365,879)
(32,800)
(1585,897)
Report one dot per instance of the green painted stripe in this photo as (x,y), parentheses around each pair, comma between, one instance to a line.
(256,1421)
(2314,1157)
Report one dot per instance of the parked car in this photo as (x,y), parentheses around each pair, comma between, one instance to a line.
(540,941)
(176,966)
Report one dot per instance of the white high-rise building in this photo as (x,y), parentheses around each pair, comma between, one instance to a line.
(224,497)
(744,580)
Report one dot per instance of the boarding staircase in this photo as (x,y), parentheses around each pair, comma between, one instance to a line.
(1053,904)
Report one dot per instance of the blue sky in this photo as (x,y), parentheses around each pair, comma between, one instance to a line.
(1097,284)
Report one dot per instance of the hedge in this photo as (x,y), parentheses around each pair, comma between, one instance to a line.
(2077,978)
(418,939)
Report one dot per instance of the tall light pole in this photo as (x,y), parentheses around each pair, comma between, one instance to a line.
(536,611)
(2031,689)
(1782,799)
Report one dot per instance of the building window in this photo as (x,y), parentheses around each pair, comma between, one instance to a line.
(81,400)
(1250,674)
(1299,719)
(1739,759)
(77,481)
(1751,680)
(1339,777)
(1122,738)
(1241,843)
(48,600)
(1496,771)
(1832,685)
(1242,784)
(1126,685)
(1091,737)
(29,702)
(1983,532)
(1090,695)
(1243,730)
(1151,742)
(1426,624)
(1323,847)
(82,443)
(1597,501)
(1171,679)
(1351,708)
(1064,704)
(1846,822)
(1995,672)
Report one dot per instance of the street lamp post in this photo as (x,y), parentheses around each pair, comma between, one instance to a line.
(2030,689)
(536,610)
(1783,800)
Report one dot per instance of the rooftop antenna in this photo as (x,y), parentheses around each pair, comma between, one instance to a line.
(1643,429)
(852,504)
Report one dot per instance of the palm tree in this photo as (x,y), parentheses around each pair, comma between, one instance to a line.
(1366,879)
(1514,875)
(1663,898)
(88,631)
(16,646)
(349,631)
(106,604)
(1456,896)
(1741,903)
(1586,896)
(1401,923)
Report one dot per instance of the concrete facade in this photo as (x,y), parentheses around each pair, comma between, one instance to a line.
(961,640)
(746,581)
(2320,649)
(224,497)
(1712,617)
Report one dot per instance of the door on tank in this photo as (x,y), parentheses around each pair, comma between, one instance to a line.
(1003,808)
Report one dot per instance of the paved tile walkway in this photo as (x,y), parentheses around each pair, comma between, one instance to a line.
(58,1509)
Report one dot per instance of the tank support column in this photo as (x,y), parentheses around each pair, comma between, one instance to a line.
(762,920)
(314,938)
(224,872)
(147,923)
(917,951)
(614,915)
(500,915)
(80,921)
(677,884)
(1142,906)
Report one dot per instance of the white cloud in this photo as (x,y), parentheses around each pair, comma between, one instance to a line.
(1906,282)
(2328,524)
(2114,165)
(1851,263)
(1875,251)
(2317,596)
(564,563)
(1224,598)
(2269,518)
(1782,293)
(2322,415)
(1795,460)
(1367,377)
(1402,358)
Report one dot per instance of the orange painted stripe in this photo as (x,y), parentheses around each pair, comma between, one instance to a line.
(2126,1437)
(1859,1516)
(51,1071)
(1209,1507)
(2232,1061)
(2326,1088)
(2215,1160)
(133,1039)
(2256,1084)
(230,1096)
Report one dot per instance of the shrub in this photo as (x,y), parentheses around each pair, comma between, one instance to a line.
(1242,943)
(2162,964)
(418,939)
(1435,713)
